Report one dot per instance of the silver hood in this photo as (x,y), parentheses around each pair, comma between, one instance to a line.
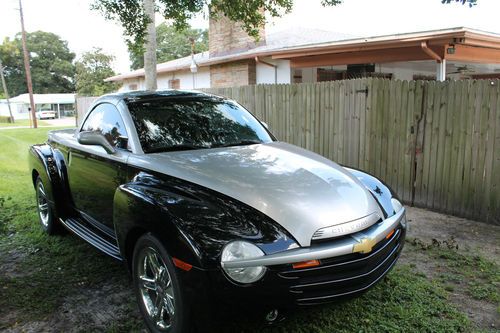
(298,189)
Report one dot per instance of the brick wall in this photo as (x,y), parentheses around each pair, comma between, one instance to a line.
(233,74)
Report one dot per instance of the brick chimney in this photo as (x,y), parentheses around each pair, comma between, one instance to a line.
(227,37)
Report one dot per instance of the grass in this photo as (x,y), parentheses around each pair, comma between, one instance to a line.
(22,122)
(39,273)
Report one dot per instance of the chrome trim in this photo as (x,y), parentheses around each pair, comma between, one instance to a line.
(292,274)
(322,251)
(346,228)
(319,299)
(312,284)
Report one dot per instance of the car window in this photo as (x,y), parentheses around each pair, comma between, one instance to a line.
(170,123)
(106,119)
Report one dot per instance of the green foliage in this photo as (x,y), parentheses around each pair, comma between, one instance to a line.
(52,68)
(131,15)
(5,119)
(172,44)
(471,3)
(91,70)
(250,13)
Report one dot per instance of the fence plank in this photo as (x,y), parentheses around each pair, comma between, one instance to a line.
(406,141)
(494,214)
(417,158)
(489,147)
(447,151)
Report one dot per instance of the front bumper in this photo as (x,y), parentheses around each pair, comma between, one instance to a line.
(343,271)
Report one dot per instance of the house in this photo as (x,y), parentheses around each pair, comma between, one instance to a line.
(63,104)
(304,55)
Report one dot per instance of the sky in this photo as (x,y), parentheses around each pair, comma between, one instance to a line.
(84,29)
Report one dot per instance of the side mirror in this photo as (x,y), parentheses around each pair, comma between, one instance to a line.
(94,138)
(265,124)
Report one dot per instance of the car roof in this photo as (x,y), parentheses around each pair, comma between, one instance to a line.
(141,96)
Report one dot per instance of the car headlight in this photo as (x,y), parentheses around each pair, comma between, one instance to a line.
(239,250)
(397,206)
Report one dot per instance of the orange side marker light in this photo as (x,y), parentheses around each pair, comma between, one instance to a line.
(182,265)
(389,235)
(306,264)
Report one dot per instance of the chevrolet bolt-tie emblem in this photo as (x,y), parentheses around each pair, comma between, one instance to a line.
(365,245)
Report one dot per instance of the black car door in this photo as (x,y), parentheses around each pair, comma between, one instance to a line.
(94,174)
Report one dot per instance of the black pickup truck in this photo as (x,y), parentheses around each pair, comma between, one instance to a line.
(208,209)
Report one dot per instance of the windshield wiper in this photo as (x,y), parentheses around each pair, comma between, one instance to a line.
(238,143)
(175,148)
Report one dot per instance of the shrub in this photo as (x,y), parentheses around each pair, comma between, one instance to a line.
(5,119)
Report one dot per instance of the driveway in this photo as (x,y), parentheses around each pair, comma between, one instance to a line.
(67,121)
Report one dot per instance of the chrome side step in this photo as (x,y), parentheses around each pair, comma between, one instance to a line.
(94,237)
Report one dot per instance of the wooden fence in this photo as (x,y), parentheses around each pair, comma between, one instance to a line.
(82,106)
(437,144)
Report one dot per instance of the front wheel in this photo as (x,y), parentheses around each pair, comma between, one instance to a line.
(158,288)
(45,212)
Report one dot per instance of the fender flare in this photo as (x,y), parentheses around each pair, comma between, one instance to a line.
(50,166)
(136,211)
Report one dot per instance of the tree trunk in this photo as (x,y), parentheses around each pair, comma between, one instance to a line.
(150,47)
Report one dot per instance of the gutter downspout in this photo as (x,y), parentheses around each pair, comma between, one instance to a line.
(257,60)
(441,62)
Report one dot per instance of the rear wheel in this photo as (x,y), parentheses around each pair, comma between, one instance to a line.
(45,212)
(158,288)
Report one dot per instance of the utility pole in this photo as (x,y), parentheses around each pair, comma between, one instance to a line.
(6,92)
(27,67)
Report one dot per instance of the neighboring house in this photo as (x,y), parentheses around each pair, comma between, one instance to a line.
(63,104)
(304,55)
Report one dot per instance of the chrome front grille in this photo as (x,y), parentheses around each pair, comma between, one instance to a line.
(344,275)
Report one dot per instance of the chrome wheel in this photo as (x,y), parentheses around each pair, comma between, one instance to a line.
(43,204)
(156,289)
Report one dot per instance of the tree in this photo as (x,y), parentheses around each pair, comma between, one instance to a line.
(134,17)
(51,63)
(91,70)
(172,44)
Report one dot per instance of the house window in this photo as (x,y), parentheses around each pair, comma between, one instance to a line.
(424,77)
(297,76)
(324,74)
(174,84)
(132,86)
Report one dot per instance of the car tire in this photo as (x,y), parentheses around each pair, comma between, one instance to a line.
(158,288)
(46,214)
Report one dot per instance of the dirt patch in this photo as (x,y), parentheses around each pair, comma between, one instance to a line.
(9,263)
(469,235)
(95,308)
(448,233)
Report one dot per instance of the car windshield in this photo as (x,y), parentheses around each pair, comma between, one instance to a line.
(176,123)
